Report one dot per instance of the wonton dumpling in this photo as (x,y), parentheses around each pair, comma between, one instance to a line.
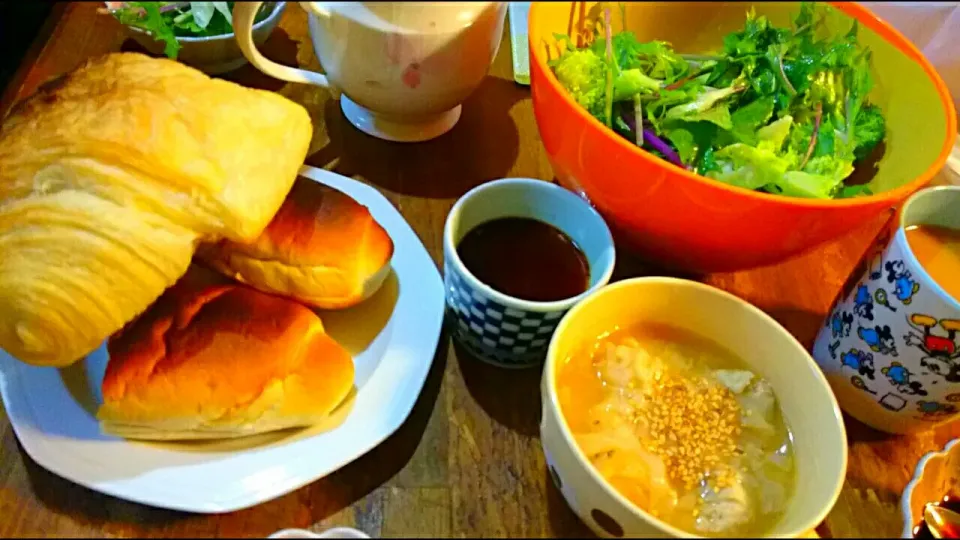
(724,509)
(734,379)
(757,403)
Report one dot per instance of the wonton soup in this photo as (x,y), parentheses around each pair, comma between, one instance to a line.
(679,426)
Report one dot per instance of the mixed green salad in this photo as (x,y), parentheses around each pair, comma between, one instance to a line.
(778,110)
(166,21)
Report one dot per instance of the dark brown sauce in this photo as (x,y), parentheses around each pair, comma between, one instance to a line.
(525,258)
(922,530)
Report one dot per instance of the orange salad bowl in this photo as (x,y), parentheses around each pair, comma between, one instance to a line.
(681,220)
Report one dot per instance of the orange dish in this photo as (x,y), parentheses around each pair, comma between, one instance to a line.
(682,220)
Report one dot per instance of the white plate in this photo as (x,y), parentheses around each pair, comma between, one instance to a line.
(393,337)
(339,532)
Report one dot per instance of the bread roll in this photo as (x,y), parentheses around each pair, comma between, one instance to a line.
(221,360)
(110,176)
(322,248)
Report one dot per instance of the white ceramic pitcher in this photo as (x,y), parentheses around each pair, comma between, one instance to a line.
(401,69)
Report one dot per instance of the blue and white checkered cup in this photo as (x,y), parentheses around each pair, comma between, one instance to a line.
(501,329)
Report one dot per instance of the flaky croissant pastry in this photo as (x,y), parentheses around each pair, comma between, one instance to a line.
(110,176)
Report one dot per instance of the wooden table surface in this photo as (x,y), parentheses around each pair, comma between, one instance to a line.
(468,461)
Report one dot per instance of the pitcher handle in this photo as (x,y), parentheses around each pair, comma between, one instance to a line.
(243,17)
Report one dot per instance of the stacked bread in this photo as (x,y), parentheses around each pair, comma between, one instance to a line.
(297,256)
(111,178)
(213,360)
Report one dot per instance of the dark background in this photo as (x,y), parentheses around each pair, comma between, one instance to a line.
(20,21)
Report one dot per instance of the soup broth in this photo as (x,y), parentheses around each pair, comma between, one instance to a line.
(938,251)
(678,426)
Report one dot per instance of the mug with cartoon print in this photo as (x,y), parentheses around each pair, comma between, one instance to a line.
(890,345)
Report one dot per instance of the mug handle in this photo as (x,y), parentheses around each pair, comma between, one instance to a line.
(244,14)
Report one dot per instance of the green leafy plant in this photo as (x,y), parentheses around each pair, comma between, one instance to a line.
(166,21)
(778,109)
